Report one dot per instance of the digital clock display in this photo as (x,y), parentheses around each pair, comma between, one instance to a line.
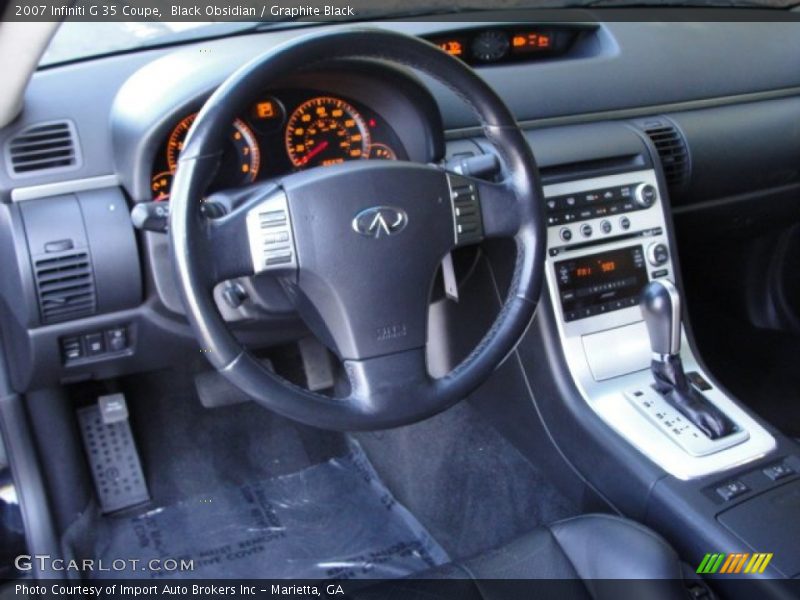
(600,283)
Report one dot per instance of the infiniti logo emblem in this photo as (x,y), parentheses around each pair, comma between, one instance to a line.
(378,221)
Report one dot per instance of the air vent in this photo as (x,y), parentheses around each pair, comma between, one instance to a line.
(65,286)
(43,147)
(673,152)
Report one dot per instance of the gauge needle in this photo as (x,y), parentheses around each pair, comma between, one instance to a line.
(312,153)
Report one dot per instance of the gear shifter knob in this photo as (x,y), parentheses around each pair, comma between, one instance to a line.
(661,308)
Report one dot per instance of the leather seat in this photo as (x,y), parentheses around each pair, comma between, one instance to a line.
(586,547)
(589,554)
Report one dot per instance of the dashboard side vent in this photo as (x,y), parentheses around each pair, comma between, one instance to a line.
(51,146)
(673,151)
(65,287)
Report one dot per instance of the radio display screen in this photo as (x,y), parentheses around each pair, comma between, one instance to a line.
(601,283)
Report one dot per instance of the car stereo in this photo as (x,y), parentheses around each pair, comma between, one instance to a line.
(603,282)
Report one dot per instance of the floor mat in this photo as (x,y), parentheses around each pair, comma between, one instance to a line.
(334,520)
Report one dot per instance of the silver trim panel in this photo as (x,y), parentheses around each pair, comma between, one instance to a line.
(606,396)
(677,427)
(57,188)
(631,351)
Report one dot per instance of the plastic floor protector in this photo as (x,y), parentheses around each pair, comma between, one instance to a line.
(334,520)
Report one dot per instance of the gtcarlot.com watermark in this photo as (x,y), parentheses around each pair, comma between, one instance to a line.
(44,563)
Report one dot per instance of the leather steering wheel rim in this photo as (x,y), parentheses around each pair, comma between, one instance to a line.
(387,389)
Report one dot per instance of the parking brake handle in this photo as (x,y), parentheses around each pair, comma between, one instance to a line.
(661,309)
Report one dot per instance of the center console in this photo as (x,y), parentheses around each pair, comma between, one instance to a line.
(607,240)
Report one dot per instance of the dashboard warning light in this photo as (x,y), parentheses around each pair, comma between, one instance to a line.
(265,110)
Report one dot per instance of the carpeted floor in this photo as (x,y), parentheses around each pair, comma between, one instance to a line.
(465,483)
(220,474)
(334,520)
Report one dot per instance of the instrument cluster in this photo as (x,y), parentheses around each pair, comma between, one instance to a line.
(282,132)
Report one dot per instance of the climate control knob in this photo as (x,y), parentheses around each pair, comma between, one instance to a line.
(645,195)
(657,254)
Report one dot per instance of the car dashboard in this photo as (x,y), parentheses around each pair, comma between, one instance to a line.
(597,104)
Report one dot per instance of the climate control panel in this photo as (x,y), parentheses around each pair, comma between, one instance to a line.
(611,203)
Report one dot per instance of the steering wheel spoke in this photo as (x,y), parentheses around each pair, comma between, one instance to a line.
(253,235)
(387,382)
(482,209)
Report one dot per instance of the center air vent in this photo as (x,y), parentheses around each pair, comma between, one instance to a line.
(672,149)
(65,287)
(43,147)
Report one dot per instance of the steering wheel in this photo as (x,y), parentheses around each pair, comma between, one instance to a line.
(357,244)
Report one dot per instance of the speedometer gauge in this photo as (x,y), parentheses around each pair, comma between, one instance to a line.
(238,167)
(326,131)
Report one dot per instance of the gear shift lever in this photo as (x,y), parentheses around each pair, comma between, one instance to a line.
(661,309)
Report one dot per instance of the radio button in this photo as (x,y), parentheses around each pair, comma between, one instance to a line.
(645,195)
(657,254)
(625,223)
(565,234)
(591,197)
(586,230)
(605,226)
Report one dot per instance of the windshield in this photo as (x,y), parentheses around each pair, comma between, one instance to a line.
(76,40)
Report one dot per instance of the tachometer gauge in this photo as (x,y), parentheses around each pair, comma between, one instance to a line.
(237,168)
(381,152)
(160,185)
(326,131)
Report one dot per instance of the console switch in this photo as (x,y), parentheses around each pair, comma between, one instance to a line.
(778,471)
(732,489)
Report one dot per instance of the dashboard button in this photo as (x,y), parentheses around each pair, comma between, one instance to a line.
(657,254)
(645,195)
(94,343)
(566,234)
(71,348)
(116,339)
(625,223)
(586,230)
(605,226)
